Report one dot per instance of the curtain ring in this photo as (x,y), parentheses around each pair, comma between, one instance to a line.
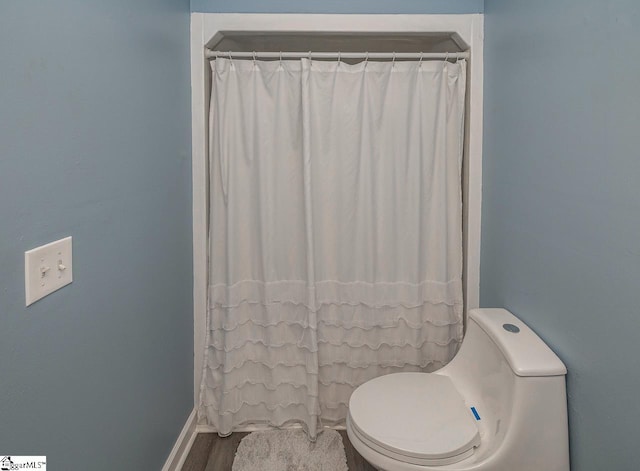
(393,61)
(310,58)
(254,58)
(231,58)
(446,57)
(366,60)
(420,63)
(280,59)
(339,56)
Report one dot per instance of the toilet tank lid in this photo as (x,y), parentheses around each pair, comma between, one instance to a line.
(526,353)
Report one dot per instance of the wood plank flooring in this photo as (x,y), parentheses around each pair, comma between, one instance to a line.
(213,453)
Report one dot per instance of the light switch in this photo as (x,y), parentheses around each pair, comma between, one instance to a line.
(47,269)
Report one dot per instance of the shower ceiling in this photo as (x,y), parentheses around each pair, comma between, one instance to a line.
(329,42)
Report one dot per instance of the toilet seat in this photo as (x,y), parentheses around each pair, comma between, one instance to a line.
(419,418)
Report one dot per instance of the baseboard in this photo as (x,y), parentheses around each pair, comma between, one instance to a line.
(183,444)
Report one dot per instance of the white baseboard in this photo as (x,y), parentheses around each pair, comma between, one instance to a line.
(183,444)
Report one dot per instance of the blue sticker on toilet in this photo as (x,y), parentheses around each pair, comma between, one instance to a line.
(475,413)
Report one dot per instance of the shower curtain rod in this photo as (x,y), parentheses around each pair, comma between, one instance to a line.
(209,54)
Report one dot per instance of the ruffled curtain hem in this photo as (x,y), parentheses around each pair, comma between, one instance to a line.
(376,295)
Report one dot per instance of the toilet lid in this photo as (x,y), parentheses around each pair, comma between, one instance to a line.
(419,418)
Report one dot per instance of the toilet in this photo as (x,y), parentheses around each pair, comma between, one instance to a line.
(499,405)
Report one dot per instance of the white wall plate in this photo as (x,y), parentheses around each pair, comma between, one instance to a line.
(47,269)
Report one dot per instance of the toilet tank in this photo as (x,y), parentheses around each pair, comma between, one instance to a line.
(525,352)
(517,386)
(498,347)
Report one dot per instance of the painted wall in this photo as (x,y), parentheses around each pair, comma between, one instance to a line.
(95,143)
(561,202)
(338,6)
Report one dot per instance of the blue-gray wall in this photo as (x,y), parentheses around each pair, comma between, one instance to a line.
(561,202)
(95,143)
(338,6)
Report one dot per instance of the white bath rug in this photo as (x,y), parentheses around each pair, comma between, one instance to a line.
(290,450)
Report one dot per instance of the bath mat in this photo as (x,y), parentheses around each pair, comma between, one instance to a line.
(290,450)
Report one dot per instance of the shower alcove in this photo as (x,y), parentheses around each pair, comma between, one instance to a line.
(400,34)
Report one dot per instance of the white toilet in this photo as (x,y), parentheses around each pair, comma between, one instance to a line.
(500,405)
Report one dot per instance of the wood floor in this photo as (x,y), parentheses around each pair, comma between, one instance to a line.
(213,453)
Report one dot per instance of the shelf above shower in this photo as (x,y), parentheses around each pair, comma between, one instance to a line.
(344,42)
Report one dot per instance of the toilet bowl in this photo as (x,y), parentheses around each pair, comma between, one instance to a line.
(499,405)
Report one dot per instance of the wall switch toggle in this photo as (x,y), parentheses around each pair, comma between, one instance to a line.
(39,276)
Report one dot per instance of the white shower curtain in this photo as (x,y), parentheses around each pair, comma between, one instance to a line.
(335,233)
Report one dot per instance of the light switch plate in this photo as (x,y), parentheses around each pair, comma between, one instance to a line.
(47,269)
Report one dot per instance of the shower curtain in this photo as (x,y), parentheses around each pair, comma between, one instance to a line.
(335,243)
